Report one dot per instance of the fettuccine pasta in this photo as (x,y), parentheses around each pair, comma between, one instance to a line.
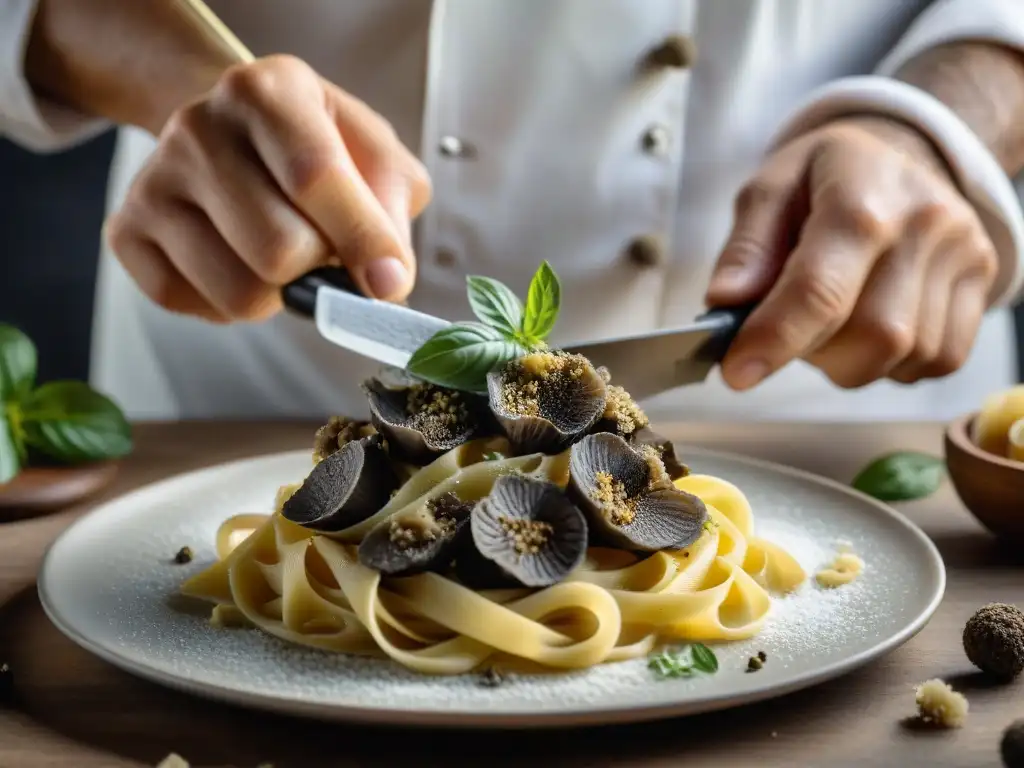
(309,588)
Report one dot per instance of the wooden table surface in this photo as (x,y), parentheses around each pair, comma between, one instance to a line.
(75,711)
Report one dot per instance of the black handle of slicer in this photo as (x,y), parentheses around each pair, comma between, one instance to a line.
(726,322)
(300,295)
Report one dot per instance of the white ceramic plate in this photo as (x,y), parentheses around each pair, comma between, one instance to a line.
(109,584)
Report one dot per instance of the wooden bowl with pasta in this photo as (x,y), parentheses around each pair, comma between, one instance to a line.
(990,485)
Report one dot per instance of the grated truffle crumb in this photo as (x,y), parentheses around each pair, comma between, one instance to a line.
(993,640)
(657,475)
(183,556)
(541,382)
(437,520)
(611,495)
(528,536)
(439,414)
(336,433)
(938,704)
(1011,748)
(621,409)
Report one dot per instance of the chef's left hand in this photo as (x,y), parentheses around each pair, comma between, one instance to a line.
(870,262)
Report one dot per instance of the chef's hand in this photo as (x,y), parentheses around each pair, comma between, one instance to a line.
(273,173)
(870,262)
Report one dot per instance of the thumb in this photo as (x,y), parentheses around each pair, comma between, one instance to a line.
(764,227)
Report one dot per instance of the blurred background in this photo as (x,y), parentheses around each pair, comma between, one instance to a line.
(51,212)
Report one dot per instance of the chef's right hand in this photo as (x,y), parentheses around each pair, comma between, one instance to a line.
(274,172)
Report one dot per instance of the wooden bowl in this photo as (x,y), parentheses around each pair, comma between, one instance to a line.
(45,489)
(990,486)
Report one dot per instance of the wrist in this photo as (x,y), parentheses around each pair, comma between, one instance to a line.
(131,63)
(905,138)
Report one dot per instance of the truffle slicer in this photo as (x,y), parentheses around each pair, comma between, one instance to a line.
(644,364)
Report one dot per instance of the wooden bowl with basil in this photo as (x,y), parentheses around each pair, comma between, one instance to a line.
(60,441)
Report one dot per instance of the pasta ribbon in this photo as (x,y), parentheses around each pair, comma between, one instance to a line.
(309,588)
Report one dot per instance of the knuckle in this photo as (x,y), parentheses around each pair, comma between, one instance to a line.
(948,360)
(248,83)
(257,82)
(118,233)
(278,254)
(888,339)
(934,215)
(246,301)
(158,283)
(183,126)
(860,221)
(985,258)
(754,194)
(307,168)
(822,294)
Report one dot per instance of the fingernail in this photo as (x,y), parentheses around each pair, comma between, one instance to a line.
(749,373)
(728,280)
(386,278)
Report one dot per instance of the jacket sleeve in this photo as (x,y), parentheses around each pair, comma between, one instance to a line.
(26,118)
(977,171)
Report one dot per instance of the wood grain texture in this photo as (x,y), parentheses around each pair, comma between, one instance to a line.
(74,710)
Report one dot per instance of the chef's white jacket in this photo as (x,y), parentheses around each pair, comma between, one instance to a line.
(607,136)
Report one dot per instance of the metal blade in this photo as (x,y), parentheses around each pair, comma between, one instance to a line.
(379,330)
(644,364)
(652,363)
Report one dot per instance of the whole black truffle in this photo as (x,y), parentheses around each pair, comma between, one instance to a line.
(994,640)
(1012,745)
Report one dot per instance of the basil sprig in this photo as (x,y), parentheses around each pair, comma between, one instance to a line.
(66,421)
(461,355)
(683,662)
(901,476)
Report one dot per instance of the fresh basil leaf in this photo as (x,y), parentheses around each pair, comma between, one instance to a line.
(704,659)
(461,355)
(901,476)
(71,422)
(542,303)
(10,462)
(495,304)
(17,364)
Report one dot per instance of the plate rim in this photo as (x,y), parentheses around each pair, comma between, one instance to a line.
(608,714)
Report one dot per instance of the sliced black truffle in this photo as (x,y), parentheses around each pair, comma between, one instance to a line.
(529,530)
(336,433)
(629,498)
(645,436)
(345,488)
(423,421)
(423,541)
(546,400)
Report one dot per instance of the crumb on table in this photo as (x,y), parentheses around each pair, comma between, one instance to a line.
(938,704)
